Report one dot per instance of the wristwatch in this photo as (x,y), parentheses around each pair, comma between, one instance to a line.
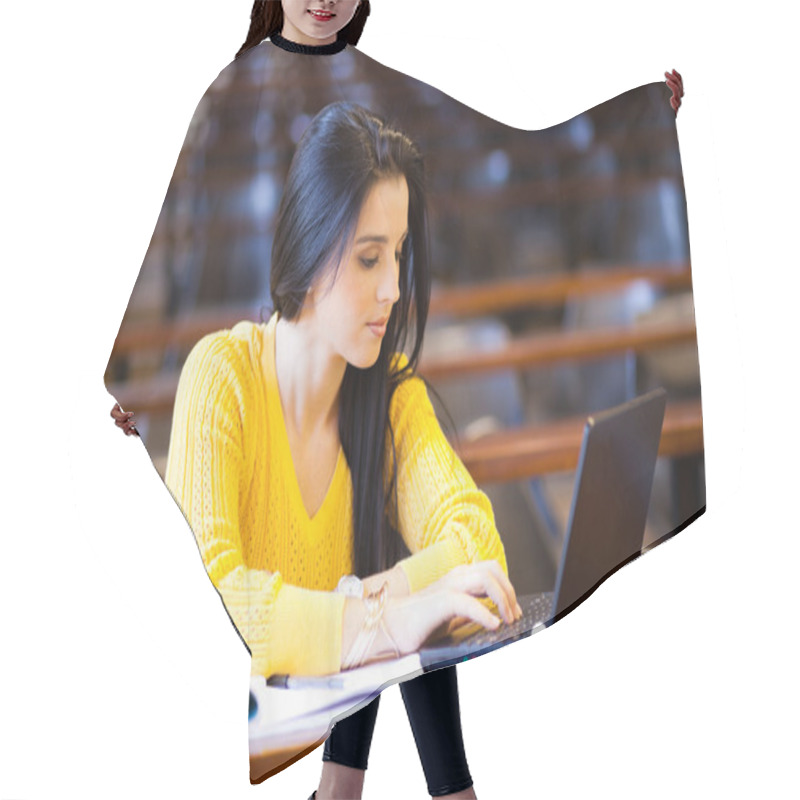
(351,586)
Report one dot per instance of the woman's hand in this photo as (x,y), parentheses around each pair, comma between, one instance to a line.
(411,620)
(124,420)
(482,578)
(675,82)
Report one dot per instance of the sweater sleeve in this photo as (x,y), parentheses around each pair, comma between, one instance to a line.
(444,519)
(286,628)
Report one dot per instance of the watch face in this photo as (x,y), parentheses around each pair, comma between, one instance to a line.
(351,586)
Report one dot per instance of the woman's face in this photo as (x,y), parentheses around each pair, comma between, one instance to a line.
(315,22)
(351,314)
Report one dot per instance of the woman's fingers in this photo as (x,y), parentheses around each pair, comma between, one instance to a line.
(128,426)
(119,415)
(455,623)
(497,593)
(498,585)
(412,620)
(675,77)
(464,605)
(452,599)
(677,89)
(506,584)
(483,578)
(675,84)
(124,420)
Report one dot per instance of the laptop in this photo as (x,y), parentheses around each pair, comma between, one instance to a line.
(605,531)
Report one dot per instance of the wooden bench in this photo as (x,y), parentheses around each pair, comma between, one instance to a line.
(157,395)
(540,349)
(508,455)
(542,449)
(486,297)
(492,297)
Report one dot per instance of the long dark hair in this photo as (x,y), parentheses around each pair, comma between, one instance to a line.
(343,152)
(266,19)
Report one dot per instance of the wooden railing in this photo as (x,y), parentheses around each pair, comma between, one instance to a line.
(510,454)
(157,395)
(554,447)
(540,349)
(488,297)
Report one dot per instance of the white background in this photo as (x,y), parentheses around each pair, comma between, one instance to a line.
(121,674)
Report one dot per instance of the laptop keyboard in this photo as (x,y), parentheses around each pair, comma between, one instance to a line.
(473,640)
(535,610)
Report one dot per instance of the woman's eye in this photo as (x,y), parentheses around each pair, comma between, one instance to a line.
(369,263)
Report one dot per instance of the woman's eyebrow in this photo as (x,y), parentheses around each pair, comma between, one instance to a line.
(375,238)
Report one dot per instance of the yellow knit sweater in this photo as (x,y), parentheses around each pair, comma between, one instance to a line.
(230,469)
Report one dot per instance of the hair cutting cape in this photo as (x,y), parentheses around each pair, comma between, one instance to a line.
(561,287)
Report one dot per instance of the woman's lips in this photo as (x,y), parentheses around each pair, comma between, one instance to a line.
(322,16)
(378,330)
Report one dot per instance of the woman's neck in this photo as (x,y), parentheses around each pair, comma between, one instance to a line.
(309,377)
(279,40)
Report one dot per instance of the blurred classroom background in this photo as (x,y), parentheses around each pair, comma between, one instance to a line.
(561,278)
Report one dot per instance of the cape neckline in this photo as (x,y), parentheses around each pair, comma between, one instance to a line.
(308,49)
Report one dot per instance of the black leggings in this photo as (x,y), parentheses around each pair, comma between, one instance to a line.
(432,706)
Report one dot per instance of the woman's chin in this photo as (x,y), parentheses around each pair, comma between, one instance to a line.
(367,360)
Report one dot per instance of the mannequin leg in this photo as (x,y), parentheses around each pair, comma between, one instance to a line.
(433,710)
(345,755)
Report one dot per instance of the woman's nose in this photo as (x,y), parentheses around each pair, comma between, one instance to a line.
(389,289)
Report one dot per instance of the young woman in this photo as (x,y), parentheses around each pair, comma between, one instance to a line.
(306,446)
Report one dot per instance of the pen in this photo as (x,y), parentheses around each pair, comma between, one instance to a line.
(294,682)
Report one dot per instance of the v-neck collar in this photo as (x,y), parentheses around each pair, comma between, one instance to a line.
(274,397)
